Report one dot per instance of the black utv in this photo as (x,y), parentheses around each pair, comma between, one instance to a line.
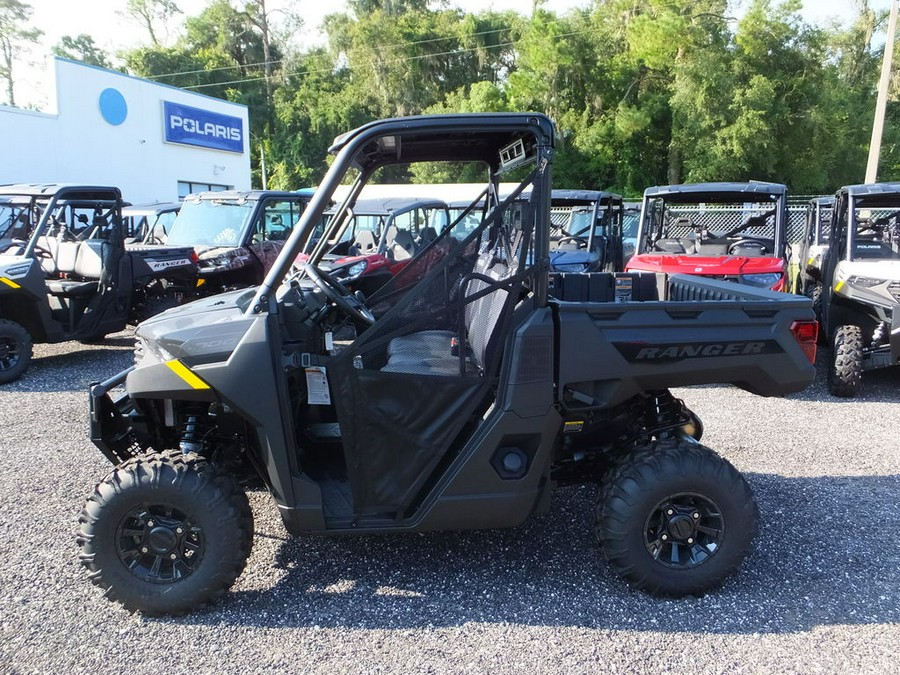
(65,273)
(860,281)
(460,395)
(236,234)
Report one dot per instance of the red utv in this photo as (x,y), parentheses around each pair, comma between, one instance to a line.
(731,231)
(378,238)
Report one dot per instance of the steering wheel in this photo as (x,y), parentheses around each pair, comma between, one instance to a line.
(754,242)
(573,237)
(340,295)
(42,252)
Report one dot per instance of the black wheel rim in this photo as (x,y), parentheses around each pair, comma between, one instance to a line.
(9,352)
(159,544)
(684,530)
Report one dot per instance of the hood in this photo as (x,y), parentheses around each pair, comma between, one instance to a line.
(206,329)
(7,260)
(731,265)
(571,257)
(889,270)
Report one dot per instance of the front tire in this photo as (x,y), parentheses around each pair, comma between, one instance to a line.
(815,294)
(165,533)
(15,351)
(675,518)
(845,373)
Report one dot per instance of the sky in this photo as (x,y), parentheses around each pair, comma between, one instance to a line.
(104,21)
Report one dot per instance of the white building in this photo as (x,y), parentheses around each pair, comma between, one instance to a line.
(153,141)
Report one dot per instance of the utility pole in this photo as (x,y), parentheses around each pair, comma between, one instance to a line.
(881,102)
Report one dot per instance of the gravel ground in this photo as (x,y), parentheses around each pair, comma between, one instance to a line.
(821,592)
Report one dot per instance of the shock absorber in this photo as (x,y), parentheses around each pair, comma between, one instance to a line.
(193,432)
(664,412)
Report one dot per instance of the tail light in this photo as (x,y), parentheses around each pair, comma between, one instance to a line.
(807,334)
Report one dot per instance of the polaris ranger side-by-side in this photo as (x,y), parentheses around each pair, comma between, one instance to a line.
(861,284)
(733,231)
(811,250)
(461,400)
(66,274)
(236,234)
(586,231)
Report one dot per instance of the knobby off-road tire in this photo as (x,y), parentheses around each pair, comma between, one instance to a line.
(15,350)
(675,519)
(165,533)
(815,294)
(845,372)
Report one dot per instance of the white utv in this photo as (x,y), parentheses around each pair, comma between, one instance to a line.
(861,284)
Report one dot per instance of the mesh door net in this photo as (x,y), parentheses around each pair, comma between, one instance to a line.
(407,386)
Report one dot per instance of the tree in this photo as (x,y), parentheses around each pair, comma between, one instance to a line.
(153,15)
(81,48)
(15,35)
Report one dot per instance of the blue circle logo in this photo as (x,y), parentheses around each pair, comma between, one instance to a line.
(113,106)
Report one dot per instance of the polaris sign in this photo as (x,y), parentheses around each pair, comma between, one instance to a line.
(202,128)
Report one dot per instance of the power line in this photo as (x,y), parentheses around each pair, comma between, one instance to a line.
(277,61)
(393,61)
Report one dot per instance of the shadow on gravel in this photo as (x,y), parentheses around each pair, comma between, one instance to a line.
(825,555)
(72,370)
(878,386)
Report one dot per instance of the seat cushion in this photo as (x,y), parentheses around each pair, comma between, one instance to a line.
(435,342)
(71,289)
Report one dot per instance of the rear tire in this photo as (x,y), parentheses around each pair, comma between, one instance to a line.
(675,519)
(165,533)
(15,351)
(845,373)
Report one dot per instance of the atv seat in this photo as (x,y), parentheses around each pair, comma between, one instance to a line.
(363,243)
(426,236)
(83,260)
(669,245)
(430,352)
(400,244)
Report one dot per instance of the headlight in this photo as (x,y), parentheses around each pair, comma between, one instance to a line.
(763,280)
(356,269)
(571,267)
(865,282)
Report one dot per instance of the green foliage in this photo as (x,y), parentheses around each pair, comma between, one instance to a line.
(15,39)
(643,92)
(81,48)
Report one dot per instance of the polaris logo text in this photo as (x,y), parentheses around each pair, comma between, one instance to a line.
(638,351)
(199,128)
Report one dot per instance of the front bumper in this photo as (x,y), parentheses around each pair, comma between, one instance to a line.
(111,428)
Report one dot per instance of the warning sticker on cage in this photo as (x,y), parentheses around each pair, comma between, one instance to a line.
(317,392)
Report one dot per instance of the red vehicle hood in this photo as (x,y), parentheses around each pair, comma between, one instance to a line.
(706,265)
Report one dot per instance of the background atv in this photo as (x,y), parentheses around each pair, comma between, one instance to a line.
(861,284)
(586,231)
(149,223)
(733,231)
(72,279)
(379,237)
(461,400)
(237,235)
(811,250)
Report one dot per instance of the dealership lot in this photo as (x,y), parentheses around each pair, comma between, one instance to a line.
(821,592)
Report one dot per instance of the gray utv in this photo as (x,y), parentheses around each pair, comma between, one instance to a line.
(65,273)
(460,395)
